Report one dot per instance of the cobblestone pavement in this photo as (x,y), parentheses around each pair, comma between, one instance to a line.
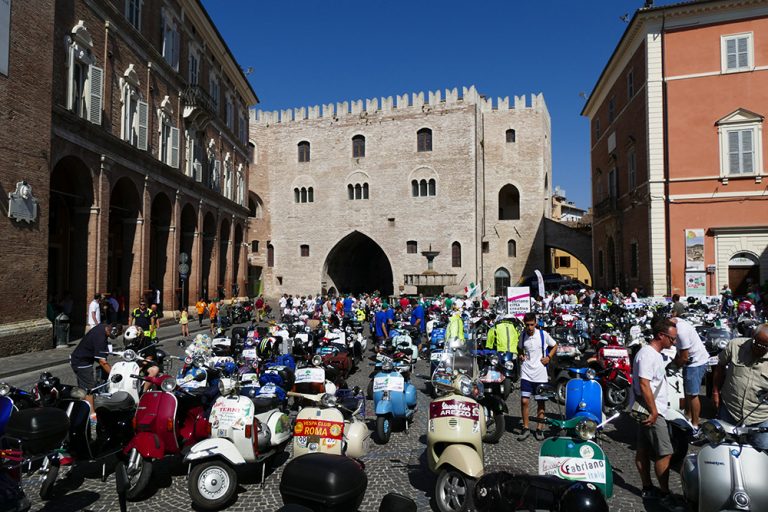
(398,466)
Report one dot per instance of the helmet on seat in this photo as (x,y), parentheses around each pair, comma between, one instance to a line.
(583,497)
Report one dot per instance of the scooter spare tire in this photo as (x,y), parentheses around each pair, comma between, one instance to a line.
(454,491)
(496,423)
(46,487)
(560,391)
(617,397)
(212,484)
(138,479)
(383,429)
(506,388)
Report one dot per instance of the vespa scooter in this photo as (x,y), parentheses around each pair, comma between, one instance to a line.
(394,397)
(243,430)
(728,473)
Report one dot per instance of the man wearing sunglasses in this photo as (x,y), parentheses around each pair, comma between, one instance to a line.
(742,372)
(538,349)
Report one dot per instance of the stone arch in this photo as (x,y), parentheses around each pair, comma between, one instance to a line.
(71,200)
(123,248)
(358,264)
(255,206)
(509,202)
(224,248)
(208,234)
(237,248)
(186,229)
(161,213)
(501,280)
(743,271)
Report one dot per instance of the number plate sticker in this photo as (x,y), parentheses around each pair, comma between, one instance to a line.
(615,353)
(454,408)
(249,353)
(573,468)
(310,375)
(319,428)
(389,383)
(491,376)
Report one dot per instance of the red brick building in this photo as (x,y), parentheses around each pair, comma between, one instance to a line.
(147,130)
(677,170)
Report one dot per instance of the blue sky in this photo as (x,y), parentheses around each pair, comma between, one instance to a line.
(310,52)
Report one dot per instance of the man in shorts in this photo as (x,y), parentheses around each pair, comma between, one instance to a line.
(649,388)
(693,357)
(538,349)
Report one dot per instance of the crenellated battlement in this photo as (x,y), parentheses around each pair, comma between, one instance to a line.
(420,100)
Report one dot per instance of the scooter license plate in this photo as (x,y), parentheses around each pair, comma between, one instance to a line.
(454,408)
(249,353)
(389,383)
(492,376)
(319,429)
(310,375)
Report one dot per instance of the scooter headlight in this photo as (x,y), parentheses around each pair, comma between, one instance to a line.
(317,360)
(129,355)
(494,360)
(387,366)
(586,429)
(713,431)
(509,365)
(591,374)
(5,389)
(327,400)
(465,385)
(168,385)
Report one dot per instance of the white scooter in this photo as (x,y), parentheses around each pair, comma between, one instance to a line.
(728,473)
(243,430)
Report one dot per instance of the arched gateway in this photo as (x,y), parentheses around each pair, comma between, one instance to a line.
(357,264)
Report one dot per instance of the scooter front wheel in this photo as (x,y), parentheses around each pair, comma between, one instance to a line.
(383,429)
(494,427)
(212,484)
(46,487)
(453,491)
(139,474)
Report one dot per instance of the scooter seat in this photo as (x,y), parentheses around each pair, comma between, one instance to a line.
(265,403)
(120,401)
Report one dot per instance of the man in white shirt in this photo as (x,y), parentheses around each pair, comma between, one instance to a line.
(536,348)
(94,312)
(693,357)
(649,387)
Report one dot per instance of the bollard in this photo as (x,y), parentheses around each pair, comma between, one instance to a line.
(61,330)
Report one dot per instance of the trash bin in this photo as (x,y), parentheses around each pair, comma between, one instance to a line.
(61,330)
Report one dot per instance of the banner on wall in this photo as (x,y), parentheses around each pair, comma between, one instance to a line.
(695,284)
(694,249)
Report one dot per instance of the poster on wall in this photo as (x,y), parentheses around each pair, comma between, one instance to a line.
(695,284)
(5,35)
(694,249)
(518,300)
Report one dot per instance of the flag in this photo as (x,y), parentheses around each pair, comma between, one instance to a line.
(471,290)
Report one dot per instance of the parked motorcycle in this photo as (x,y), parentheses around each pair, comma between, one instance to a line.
(728,473)
(394,397)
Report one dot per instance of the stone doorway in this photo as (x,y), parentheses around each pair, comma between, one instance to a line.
(357,264)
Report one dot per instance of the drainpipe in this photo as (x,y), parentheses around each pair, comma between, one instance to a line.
(667,204)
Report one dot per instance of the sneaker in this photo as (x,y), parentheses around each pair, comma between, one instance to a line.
(525,434)
(671,502)
(539,435)
(652,493)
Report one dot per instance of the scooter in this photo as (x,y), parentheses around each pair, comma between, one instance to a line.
(13,399)
(575,456)
(243,430)
(167,421)
(331,425)
(394,397)
(728,473)
(455,439)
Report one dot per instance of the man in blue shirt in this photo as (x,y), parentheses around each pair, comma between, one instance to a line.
(418,320)
(380,319)
(348,301)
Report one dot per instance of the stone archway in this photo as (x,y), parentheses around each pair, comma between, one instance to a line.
(357,264)
(209,239)
(188,225)
(68,241)
(160,223)
(123,247)
(224,243)
(237,251)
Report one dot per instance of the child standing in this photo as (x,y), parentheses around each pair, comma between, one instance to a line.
(184,321)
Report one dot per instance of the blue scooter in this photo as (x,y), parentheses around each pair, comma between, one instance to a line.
(394,398)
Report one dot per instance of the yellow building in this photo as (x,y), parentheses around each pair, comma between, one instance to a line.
(568,265)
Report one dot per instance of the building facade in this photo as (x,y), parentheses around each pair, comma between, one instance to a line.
(147,172)
(356,192)
(560,261)
(676,120)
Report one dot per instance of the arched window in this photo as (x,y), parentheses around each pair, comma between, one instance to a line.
(411,247)
(512,249)
(296,195)
(509,203)
(511,135)
(358,146)
(424,140)
(358,191)
(252,156)
(311,195)
(415,188)
(303,151)
(455,254)
(432,185)
(365,191)
(423,188)
(270,255)
(500,281)
(350,191)
(304,248)
(303,195)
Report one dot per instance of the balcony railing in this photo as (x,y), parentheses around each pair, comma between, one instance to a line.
(195,96)
(605,207)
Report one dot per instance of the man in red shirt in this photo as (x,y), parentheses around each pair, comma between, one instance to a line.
(404,303)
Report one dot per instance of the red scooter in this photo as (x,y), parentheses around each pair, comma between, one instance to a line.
(167,421)
(614,367)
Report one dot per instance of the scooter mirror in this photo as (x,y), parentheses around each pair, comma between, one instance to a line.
(116,378)
(356,390)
